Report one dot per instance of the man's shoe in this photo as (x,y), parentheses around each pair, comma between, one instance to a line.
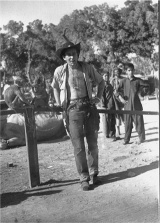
(85,185)
(139,142)
(114,139)
(125,143)
(95,180)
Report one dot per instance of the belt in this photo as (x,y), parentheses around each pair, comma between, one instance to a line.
(79,103)
(84,99)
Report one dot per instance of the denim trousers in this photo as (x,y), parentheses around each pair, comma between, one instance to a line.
(82,124)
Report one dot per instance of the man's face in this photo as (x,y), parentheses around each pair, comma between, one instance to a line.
(116,73)
(106,77)
(129,72)
(71,56)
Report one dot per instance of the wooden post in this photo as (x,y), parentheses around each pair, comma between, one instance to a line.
(31,143)
(1,88)
(104,124)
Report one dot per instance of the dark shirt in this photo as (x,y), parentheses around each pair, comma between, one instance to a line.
(130,90)
(107,97)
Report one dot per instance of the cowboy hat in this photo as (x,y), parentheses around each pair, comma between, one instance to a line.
(66,46)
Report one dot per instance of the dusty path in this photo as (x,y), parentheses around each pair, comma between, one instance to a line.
(129,174)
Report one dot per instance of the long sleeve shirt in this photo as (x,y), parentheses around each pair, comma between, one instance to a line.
(107,98)
(130,92)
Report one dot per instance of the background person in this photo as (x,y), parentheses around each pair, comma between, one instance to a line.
(39,93)
(131,101)
(13,95)
(118,104)
(73,90)
(108,103)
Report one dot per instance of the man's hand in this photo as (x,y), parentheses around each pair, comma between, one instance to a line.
(122,100)
(57,108)
(95,100)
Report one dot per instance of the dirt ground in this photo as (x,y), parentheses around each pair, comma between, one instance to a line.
(129,174)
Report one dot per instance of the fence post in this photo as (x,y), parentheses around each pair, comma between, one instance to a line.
(104,124)
(31,143)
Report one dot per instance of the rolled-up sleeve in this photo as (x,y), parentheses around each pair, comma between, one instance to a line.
(96,77)
(55,82)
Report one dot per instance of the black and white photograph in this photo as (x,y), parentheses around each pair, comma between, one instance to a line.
(79,111)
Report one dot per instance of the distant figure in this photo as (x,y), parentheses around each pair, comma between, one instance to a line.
(39,93)
(155,74)
(118,104)
(6,84)
(108,103)
(50,93)
(13,95)
(131,101)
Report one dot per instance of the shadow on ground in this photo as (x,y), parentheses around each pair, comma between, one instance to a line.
(126,174)
(14,198)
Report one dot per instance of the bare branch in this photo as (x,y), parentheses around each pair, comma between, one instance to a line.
(29,61)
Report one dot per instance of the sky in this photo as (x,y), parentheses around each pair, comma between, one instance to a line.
(47,11)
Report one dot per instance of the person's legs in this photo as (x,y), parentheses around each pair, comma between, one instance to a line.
(107,125)
(112,125)
(76,124)
(91,137)
(118,124)
(128,127)
(139,125)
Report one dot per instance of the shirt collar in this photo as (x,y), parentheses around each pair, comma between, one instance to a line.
(132,78)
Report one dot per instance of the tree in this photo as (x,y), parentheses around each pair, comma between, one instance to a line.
(139,28)
(15,48)
(107,36)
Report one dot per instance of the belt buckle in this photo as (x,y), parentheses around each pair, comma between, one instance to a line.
(79,105)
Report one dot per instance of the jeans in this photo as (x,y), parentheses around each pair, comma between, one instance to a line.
(83,123)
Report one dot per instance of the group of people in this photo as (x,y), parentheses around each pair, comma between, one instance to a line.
(72,86)
(123,93)
(39,93)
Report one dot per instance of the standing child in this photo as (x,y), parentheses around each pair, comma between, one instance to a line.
(108,103)
(118,105)
(131,101)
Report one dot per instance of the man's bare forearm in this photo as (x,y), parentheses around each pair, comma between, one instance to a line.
(57,96)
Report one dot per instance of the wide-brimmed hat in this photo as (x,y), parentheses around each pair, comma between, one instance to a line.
(68,45)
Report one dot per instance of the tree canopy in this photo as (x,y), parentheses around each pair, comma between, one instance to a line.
(107,36)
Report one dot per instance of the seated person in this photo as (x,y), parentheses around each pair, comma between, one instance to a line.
(13,95)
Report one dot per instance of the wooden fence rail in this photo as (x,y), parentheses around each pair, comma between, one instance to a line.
(31,141)
(100,110)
